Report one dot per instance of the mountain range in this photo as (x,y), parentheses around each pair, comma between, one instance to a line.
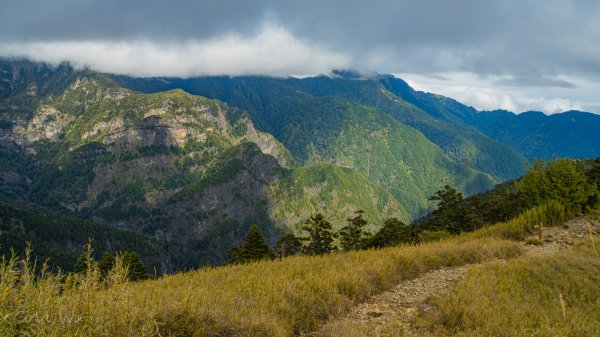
(183,167)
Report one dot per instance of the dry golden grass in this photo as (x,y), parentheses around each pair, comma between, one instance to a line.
(530,296)
(551,213)
(270,298)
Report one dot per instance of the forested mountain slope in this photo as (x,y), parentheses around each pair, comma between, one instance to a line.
(346,126)
(573,134)
(188,172)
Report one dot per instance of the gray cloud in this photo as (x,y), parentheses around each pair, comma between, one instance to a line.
(527,43)
(273,51)
(535,82)
(524,38)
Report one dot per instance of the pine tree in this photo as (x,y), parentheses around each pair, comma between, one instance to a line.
(320,235)
(451,215)
(448,197)
(288,245)
(136,268)
(594,172)
(593,175)
(252,249)
(393,232)
(81,266)
(353,235)
(106,263)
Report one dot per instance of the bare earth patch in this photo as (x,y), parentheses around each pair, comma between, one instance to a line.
(397,307)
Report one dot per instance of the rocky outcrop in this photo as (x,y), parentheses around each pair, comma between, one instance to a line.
(48,123)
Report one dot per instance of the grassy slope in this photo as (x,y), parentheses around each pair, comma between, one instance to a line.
(269,298)
(280,298)
(524,296)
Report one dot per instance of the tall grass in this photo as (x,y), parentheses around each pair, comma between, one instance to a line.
(530,296)
(551,213)
(269,298)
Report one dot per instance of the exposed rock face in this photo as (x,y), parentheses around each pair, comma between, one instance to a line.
(268,144)
(24,86)
(48,123)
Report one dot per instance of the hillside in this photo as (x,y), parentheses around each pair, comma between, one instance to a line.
(59,239)
(194,173)
(460,142)
(299,295)
(533,134)
(190,172)
(357,125)
(544,277)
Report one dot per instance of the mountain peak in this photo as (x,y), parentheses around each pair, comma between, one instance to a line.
(350,74)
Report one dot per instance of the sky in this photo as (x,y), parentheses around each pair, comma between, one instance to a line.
(513,54)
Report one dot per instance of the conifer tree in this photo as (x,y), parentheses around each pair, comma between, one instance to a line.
(320,235)
(106,263)
(393,232)
(252,249)
(594,172)
(353,235)
(288,245)
(593,175)
(81,266)
(448,197)
(136,268)
(451,214)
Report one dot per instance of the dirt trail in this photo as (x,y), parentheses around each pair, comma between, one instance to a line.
(397,308)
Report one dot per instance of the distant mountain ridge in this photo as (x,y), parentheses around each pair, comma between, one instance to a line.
(265,98)
(574,134)
(326,120)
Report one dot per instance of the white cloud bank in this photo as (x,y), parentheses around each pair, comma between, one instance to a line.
(486,94)
(273,50)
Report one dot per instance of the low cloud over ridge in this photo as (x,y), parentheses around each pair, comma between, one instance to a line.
(272,51)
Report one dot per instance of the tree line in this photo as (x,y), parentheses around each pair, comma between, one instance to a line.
(128,263)
(319,237)
(574,183)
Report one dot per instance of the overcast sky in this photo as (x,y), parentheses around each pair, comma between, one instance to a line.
(512,54)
